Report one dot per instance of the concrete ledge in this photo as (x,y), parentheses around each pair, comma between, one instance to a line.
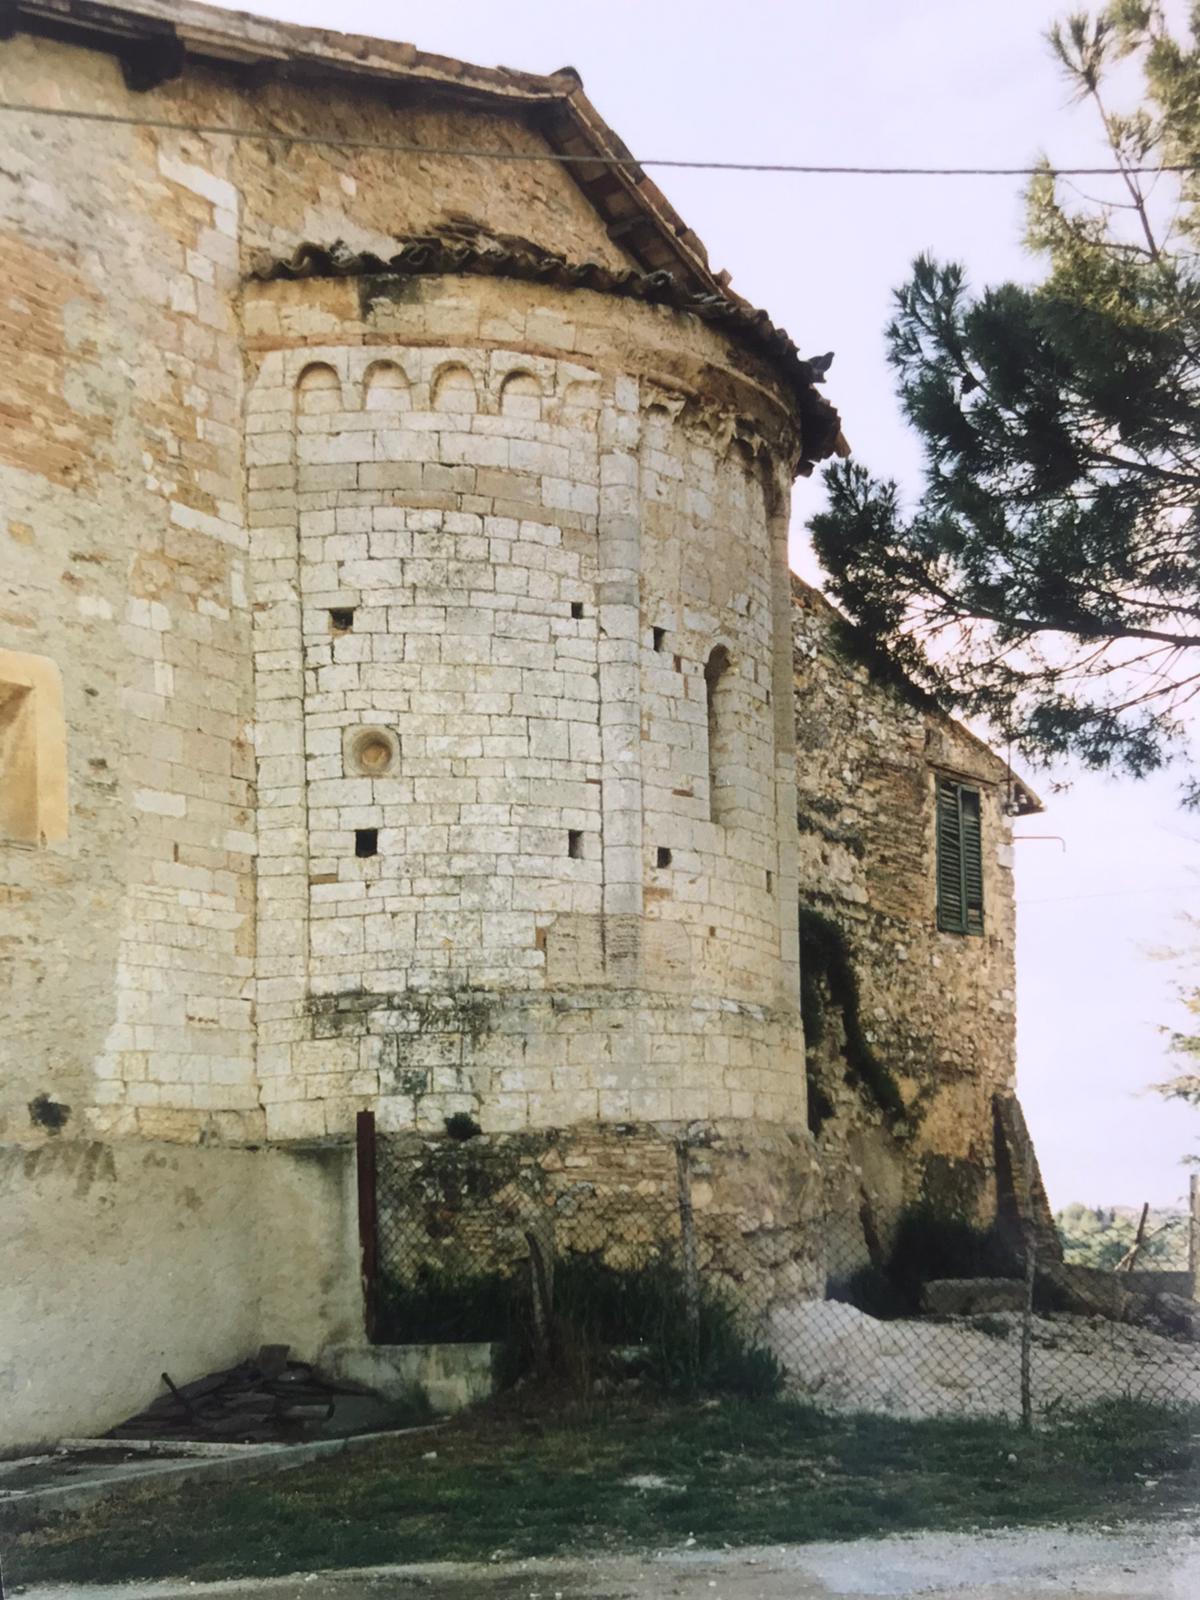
(22,1508)
(449,1376)
(965,1297)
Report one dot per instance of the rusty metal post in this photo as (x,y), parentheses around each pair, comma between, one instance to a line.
(541,1292)
(1194,1232)
(368,1218)
(690,1262)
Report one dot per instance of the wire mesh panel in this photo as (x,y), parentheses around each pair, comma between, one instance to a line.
(995,1333)
(612,1278)
(453,1245)
(621,1279)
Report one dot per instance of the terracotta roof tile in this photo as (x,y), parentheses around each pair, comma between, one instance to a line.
(435,255)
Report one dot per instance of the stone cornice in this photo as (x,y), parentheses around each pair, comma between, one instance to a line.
(431,256)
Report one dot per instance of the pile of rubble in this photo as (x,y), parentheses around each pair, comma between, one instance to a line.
(267,1399)
(845,1360)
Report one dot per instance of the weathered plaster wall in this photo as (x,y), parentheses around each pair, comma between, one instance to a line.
(468,499)
(937,1008)
(124,1260)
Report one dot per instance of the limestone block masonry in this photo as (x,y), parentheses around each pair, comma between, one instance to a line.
(413,660)
(498,533)
(396,686)
(938,1008)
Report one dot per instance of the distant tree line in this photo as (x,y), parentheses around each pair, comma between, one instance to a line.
(1100,1236)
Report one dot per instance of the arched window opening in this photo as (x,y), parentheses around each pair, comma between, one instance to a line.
(385,387)
(717,685)
(521,396)
(454,391)
(318,390)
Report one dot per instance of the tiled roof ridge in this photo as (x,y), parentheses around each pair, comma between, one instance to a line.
(437,255)
(245,36)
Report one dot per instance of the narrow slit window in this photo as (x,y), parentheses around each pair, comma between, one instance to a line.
(659,637)
(662,856)
(717,677)
(959,858)
(577,609)
(366,842)
(575,843)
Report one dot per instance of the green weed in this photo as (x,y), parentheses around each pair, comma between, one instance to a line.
(527,1479)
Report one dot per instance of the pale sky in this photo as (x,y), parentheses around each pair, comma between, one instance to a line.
(923,82)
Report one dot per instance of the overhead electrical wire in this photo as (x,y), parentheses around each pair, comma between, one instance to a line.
(278,136)
(1101,894)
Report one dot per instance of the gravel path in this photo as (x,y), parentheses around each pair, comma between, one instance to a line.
(1150,1562)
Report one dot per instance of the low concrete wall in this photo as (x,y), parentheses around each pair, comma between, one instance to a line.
(1153,1282)
(968,1297)
(121,1261)
(450,1376)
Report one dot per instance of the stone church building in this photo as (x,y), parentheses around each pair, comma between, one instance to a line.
(405,704)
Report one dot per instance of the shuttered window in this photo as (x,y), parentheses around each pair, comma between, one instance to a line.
(959,859)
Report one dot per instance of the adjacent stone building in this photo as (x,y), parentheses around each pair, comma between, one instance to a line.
(907,944)
(399,694)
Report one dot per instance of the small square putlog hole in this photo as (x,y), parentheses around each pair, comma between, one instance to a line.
(577,609)
(366,841)
(575,843)
(662,856)
(341,620)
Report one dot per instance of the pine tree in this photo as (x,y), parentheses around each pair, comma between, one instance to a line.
(1048,580)
(1185,1047)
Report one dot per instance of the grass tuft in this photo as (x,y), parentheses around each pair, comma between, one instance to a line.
(608,1321)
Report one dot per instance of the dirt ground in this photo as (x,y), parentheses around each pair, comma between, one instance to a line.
(1148,1562)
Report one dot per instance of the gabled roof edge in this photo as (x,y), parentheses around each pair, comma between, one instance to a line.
(154,39)
(1026,802)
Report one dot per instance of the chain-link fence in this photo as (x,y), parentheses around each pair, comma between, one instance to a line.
(956,1321)
(629,1282)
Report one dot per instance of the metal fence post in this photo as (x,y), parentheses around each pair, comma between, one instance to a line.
(541,1291)
(691,1265)
(1194,1232)
(368,1219)
(1027,1326)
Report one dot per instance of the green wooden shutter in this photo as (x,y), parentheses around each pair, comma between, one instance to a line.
(972,852)
(951,912)
(959,859)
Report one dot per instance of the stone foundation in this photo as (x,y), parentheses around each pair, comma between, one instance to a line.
(609,1192)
